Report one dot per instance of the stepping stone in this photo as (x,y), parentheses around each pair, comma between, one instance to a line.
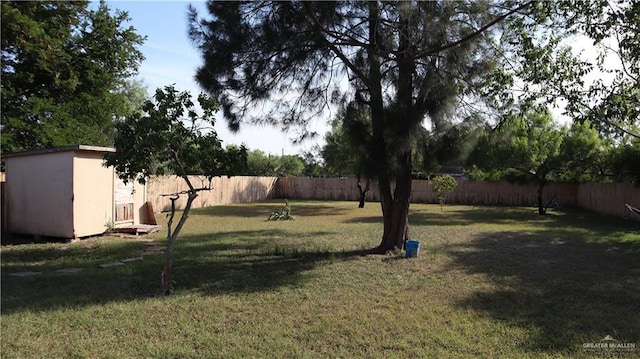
(24,274)
(151,244)
(151,253)
(134,259)
(69,270)
(157,250)
(109,265)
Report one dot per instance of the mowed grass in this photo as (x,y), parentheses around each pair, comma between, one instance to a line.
(489,282)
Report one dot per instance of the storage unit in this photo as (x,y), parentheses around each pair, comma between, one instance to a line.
(67,192)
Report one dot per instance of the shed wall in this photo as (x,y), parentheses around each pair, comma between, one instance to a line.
(40,194)
(93,194)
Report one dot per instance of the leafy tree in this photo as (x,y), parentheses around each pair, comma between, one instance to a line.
(443,185)
(234,160)
(553,71)
(533,147)
(290,165)
(312,163)
(450,145)
(338,158)
(134,95)
(345,149)
(624,162)
(261,164)
(63,71)
(167,139)
(408,63)
(582,155)
(346,153)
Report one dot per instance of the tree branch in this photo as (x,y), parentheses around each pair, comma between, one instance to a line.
(321,29)
(186,192)
(183,173)
(475,33)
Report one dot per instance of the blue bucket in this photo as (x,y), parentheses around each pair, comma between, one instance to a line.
(413,249)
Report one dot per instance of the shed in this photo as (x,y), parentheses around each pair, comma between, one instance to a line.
(67,192)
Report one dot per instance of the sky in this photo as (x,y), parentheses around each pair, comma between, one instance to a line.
(170,59)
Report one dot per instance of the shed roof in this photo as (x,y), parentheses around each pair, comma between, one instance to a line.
(80,148)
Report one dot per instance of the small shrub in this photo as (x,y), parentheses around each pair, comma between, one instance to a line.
(110,226)
(281,214)
(443,185)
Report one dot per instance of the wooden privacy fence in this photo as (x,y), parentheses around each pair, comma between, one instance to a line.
(609,198)
(224,190)
(605,198)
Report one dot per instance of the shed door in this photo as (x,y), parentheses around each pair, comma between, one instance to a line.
(123,201)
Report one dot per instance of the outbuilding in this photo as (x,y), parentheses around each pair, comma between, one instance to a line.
(67,192)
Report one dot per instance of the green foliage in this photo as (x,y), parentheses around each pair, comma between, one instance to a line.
(110,225)
(450,145)
(345,150)
(625,162)
(290,165)
(167,139)
(443,185)
(261,164)
(582,155)
(312,164)
(282,214)
(553,71)
(533,146)
(64,73)
(134,94)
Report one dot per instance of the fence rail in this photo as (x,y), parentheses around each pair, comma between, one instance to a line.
(605,198)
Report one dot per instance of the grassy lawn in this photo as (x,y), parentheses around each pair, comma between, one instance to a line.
(490,282)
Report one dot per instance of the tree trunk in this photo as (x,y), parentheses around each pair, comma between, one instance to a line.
(395,208)
(361,200)
(400,120)
(363,191)
(541,209)
(165,278)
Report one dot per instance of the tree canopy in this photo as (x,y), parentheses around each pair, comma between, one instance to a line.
(64,69)
(533,147)
(171,137)
(344,151)
(261,164)
(417,67)
(600,85)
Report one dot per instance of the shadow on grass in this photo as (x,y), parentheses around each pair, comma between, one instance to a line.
(251,261)
(44,256)
(262,210)
(467,216)
(226,262)
(570,291)
(558,219)
(51,289)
